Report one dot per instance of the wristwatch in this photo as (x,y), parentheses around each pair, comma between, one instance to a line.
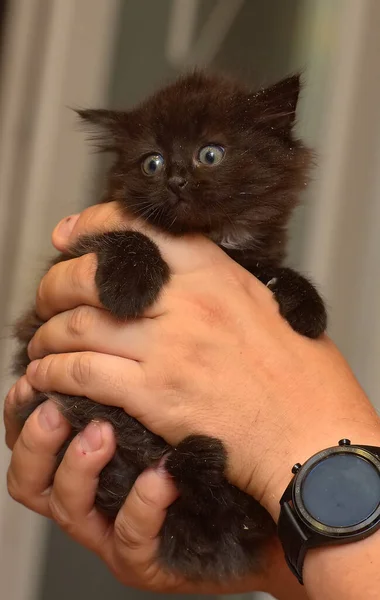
(333,498)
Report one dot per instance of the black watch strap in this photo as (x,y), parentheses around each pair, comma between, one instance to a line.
(295,536)
(294,539)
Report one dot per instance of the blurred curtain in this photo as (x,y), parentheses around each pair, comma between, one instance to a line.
(342,228)
(56,54)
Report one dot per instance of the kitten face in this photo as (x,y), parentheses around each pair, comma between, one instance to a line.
(207,155)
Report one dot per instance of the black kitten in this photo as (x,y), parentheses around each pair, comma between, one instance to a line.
(202,155)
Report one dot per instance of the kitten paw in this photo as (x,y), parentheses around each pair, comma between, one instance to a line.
(310,323)
(131,271)
(300,304)
(298,300)
(197,465)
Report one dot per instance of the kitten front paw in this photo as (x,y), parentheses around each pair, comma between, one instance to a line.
(131,271)
(299,302)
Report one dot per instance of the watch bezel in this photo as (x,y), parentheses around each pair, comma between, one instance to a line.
(307,518)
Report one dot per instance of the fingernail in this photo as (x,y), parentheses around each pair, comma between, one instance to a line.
(91,438)
(65,227)
(49,417)
(32,368)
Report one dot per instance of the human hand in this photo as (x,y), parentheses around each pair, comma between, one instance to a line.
(129,545)
(232,369)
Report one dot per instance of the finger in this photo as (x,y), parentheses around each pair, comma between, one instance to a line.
(95,219)
(63,230)
(88,328)
(19,394)
(66,285)
(144,510)
(71,283)
(33,459)
(140,520)
(183,254)
(75,483)
(106,379)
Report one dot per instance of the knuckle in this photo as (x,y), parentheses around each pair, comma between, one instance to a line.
(126,534)
(48,283)
(24,391)
(81,368)
(235,276)
(9,402)
(40,295)
(82,271)
(143,497)
(59,514)
(211,311)
(45,369)
(9,427)
(9,439)
(27,439)
(14,489)
(90,219)
(79,321)
(161,379)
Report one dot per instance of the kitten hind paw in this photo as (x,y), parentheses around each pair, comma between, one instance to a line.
(197,465)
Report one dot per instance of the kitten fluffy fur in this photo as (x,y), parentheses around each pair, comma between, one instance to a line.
(204,154)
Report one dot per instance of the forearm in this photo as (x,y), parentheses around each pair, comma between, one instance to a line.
(344,572)
(349,571)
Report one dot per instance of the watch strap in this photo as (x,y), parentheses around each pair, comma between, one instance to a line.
(294,539)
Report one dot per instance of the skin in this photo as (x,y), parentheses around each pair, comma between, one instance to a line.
(261,392)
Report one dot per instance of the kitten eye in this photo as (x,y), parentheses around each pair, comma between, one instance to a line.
(211,155)
(152,164)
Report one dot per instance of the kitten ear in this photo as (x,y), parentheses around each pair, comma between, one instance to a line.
(98,116)
(106,127)
(278,104)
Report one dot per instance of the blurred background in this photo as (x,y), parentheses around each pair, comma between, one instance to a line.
(111,53)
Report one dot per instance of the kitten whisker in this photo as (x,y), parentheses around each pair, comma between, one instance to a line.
(220,205)
(174,220)
(155,214)
(142,202)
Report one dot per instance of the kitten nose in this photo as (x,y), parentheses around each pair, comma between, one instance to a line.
(177,183)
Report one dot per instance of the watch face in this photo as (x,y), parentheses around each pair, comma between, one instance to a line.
(340,492)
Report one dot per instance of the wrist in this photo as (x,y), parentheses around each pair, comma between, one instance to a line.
(364,430)
(349,571)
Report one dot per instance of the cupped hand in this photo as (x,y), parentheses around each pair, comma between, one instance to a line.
(129,545)
(212,356)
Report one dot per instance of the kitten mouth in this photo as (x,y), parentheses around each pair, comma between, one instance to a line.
(179,206)
(177,200)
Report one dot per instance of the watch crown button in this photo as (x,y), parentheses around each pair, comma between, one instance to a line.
(296,468)
(344,442)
